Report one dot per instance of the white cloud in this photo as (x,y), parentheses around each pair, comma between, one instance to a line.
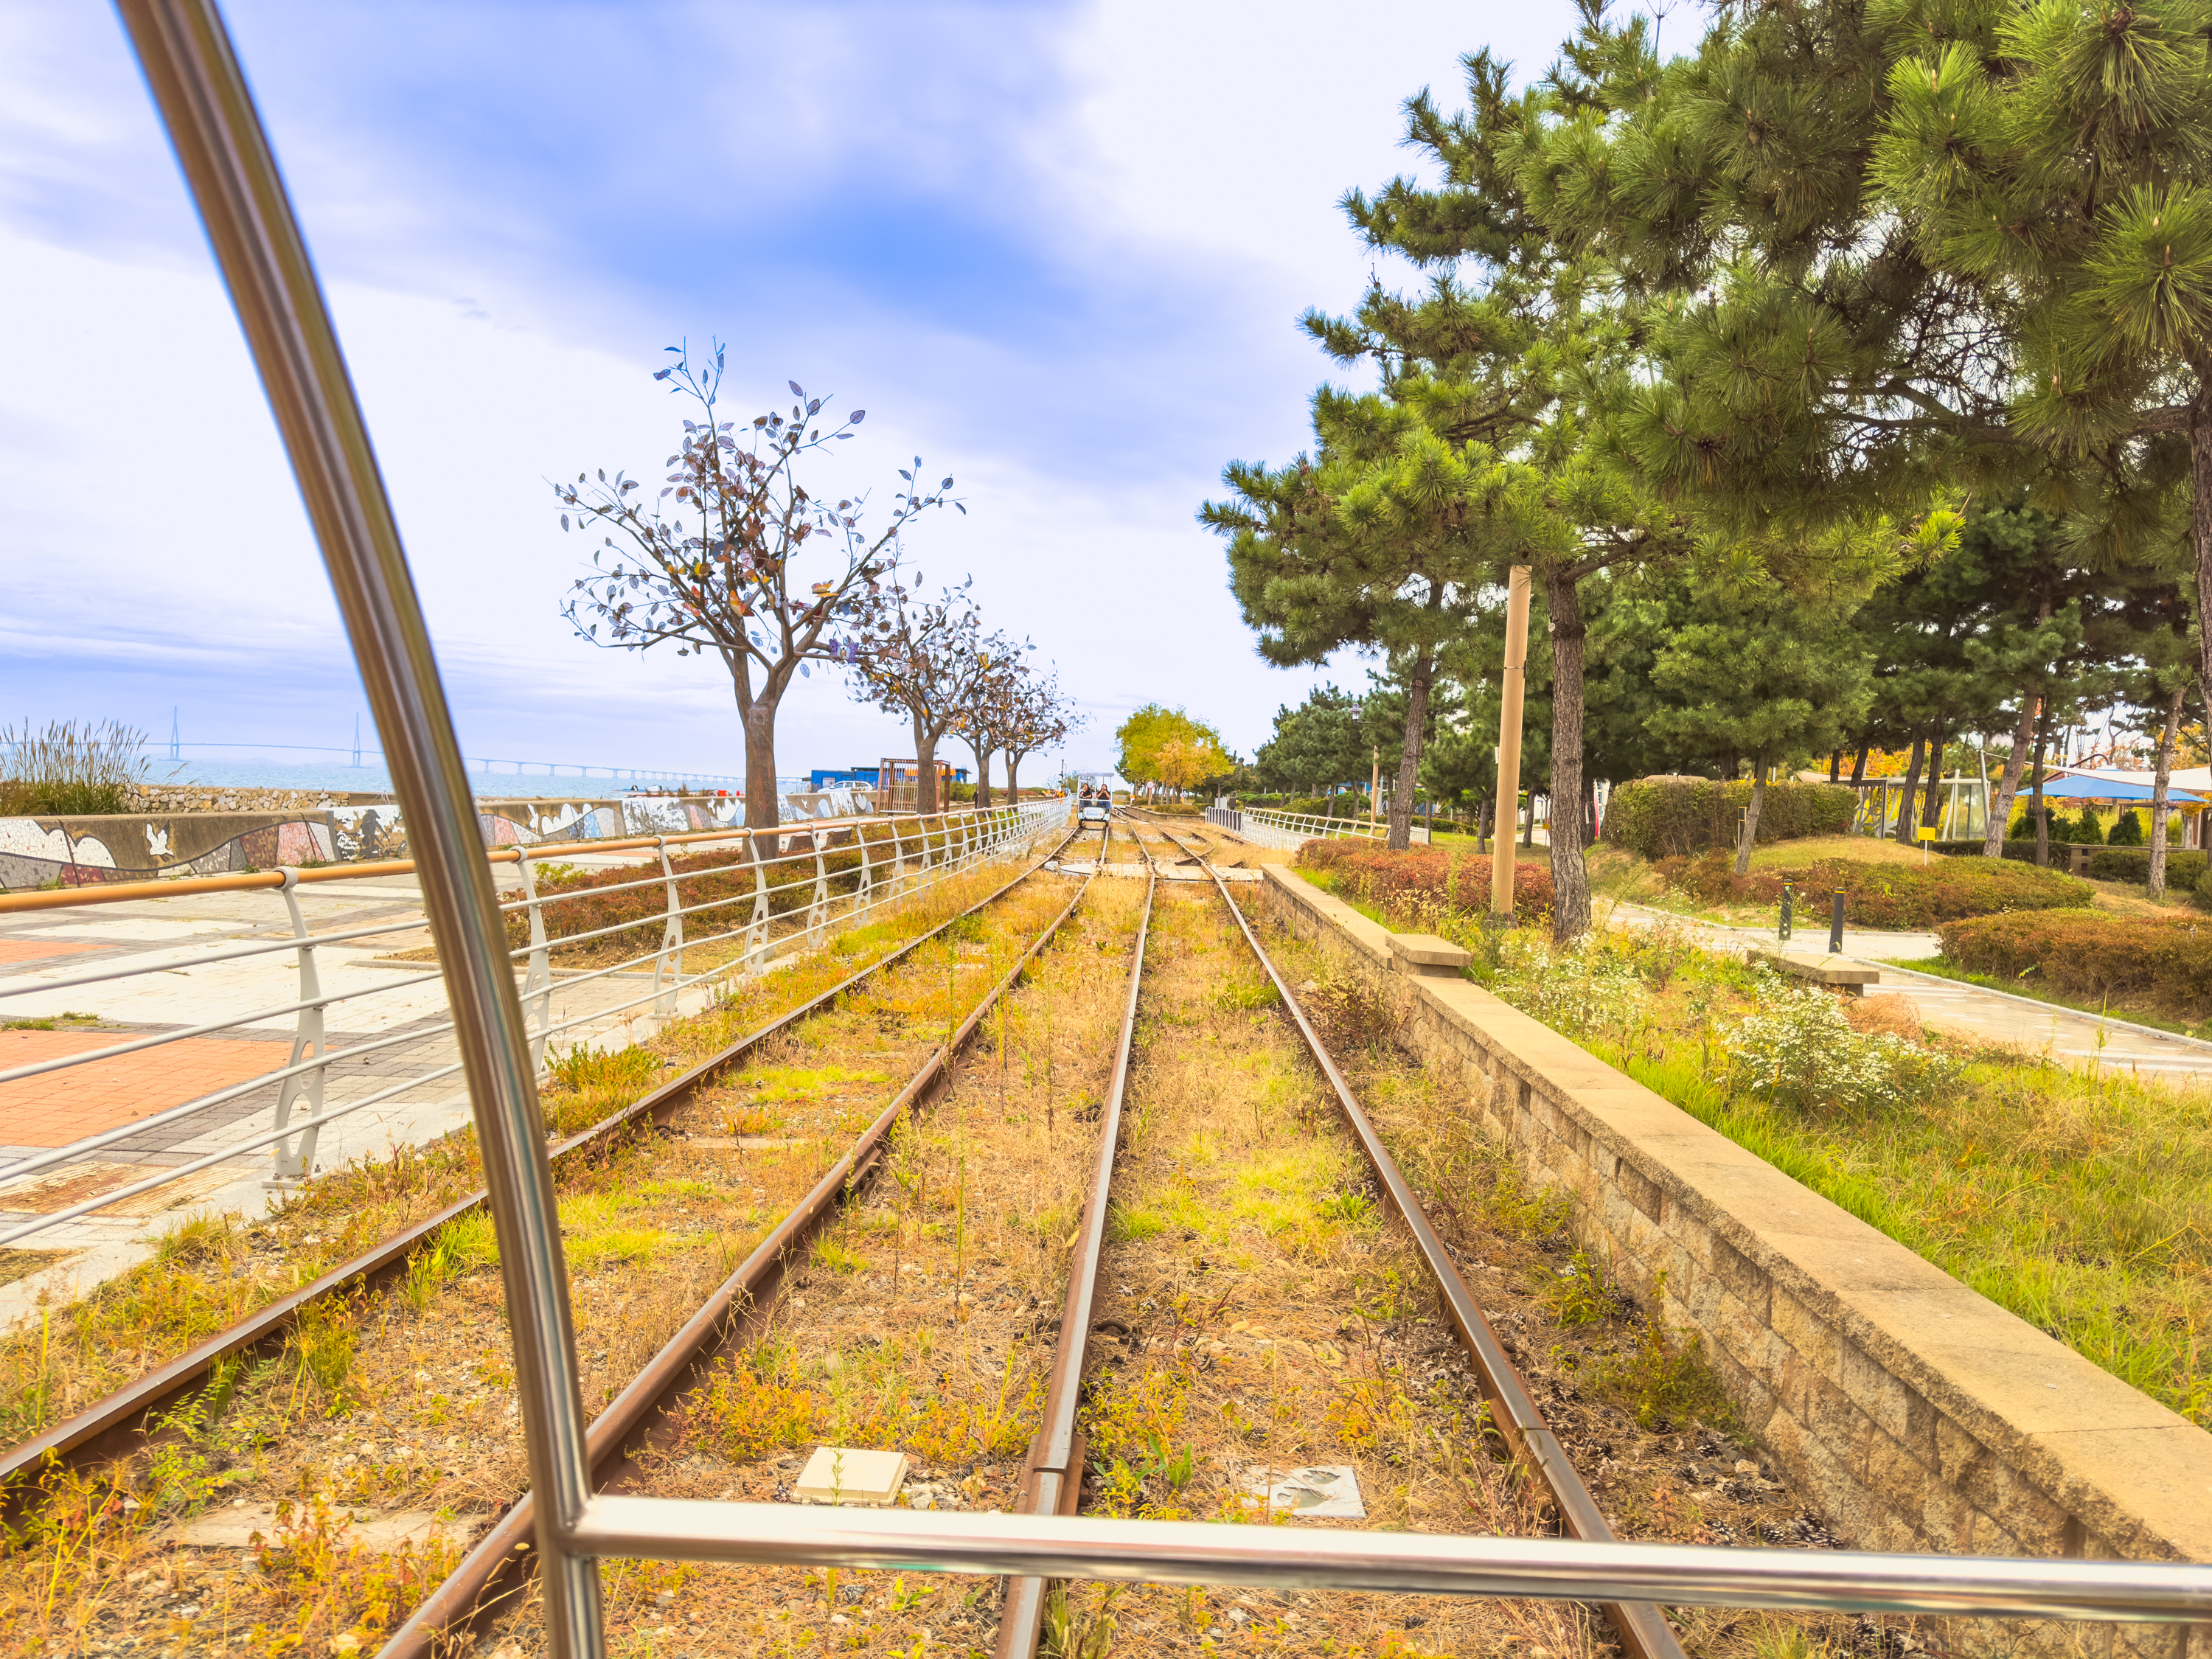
(1056,252)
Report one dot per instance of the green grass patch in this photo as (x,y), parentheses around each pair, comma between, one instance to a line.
(2081,1200)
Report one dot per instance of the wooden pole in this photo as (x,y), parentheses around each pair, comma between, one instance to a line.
(1509,742)
(1375,785)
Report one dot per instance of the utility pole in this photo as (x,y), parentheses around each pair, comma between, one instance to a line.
(1509,745)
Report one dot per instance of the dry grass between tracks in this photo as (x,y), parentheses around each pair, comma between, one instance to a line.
(1258,1315)
(213,1270)
(400,1400)
(923,1323)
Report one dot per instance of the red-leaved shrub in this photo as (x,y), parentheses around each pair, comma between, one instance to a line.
(2149,961)
(1428,877)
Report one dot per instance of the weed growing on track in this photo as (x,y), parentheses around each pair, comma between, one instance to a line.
(922,1320)
(1273,1320)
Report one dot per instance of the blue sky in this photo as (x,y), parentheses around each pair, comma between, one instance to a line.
(1056,250)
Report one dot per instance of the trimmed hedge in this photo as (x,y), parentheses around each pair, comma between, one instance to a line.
(1885,894)
(1427,877)
(2183,869)
(2151,961)
(1674,817)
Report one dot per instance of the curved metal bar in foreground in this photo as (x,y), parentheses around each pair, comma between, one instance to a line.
(1284,1558)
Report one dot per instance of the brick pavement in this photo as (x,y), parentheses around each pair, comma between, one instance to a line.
(32,950)
(59,1107)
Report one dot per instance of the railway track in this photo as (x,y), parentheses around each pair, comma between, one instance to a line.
(953,1346)
(74,1456)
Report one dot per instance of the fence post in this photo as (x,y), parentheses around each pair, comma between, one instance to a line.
(671,938)
(293,1166)
(817,914)
(537,988)
(863,895)
(756,929)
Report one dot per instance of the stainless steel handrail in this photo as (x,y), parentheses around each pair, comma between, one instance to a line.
(204,103)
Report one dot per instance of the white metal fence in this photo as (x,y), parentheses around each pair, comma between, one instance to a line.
(201,981)
(1271,827)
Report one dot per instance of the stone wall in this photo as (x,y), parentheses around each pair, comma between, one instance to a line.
(162,798)
(1915,1413)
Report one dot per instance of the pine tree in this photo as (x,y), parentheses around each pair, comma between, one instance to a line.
(1767,677)
(1892,249)
(1506,356)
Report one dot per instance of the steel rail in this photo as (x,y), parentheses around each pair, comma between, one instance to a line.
(1044,1546)
(1642,1629)
(123,892)
(478,1583)
(1054,1479)
(104,1428)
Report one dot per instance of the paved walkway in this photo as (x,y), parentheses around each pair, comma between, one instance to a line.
(2066,1036)
(168,991)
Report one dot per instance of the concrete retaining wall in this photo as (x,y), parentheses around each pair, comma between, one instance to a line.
(1915,1413)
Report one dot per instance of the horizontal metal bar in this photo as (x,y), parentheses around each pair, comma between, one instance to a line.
(78,1149)
(125,892)
(1295,1558)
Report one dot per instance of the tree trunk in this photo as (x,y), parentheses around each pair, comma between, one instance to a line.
(1409,752)
(1482,824)
(2200,510)
(1931,809)
(982,776)
(1013,767)
(1758,765)
(2159,807)
(1858,765)
(1570,895)
(763,810)
(2035,788)
(1903,831)
(1993,833)
(925,767)
(1835,766)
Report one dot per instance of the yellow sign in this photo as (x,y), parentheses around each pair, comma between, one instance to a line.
(1928,832)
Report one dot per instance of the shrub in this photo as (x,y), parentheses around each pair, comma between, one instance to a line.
(1885,895)
(1427,877)
(1576,993)
(69,771)
(2184,870)
(2165,962)
(1674,817)
(1800,1053)
(2128,832)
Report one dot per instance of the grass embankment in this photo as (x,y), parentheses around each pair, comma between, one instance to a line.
(403,1399)
(2079,1200)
